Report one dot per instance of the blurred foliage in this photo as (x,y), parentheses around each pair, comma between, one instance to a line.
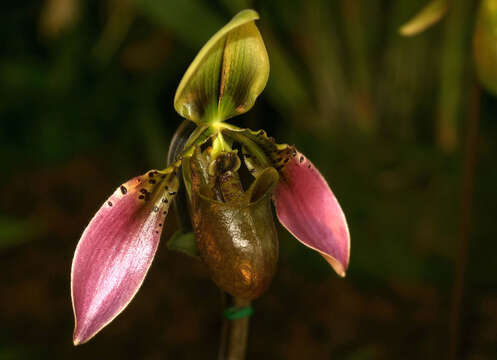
(485,49)
(427,16)
(86,102)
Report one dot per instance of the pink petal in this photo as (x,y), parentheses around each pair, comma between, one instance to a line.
(306,206)
(116,250)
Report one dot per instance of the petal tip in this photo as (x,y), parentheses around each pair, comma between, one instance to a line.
(80,336)
(339,267)
(342,273)
(77,340)
(85,332)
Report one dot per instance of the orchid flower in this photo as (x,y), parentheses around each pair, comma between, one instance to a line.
(235,234)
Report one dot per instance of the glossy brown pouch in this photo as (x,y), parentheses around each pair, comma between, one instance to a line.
(237,240)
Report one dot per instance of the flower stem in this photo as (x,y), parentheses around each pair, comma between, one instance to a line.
(469,168)
(234,333)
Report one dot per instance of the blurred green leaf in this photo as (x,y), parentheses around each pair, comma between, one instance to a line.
(428,16)
(183,242)
(363,353)
(179,15)
(119,20)
(10,352)
(22,75)
(484,45)
(286,88)
(14,232)
(453,85)
(236,5)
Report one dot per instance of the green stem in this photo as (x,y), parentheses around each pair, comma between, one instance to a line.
(234,334)
(452,84)
(469,169)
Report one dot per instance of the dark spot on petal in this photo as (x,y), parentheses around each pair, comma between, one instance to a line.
(141,197)
(143,191)
(294,152)
(156,231)
(151,174)
(152,181)
(167,187)
(124,190)
(286,160)
(156,208)
(164,213)
(160,224)
(163,176)
(109,203)
(172,192)
(302,159)
(165,201)
(309,166)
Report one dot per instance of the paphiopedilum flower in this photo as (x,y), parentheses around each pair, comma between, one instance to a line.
(233,222)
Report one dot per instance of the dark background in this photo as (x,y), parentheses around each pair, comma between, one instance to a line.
(86,92)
